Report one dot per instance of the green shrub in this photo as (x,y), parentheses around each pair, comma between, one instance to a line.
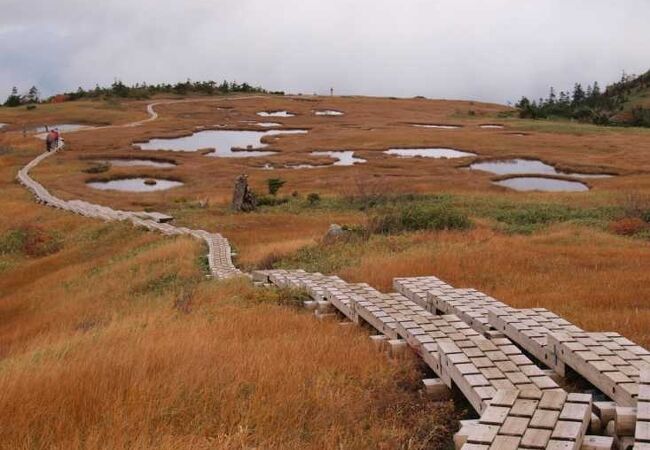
(267,200)
(274,185)
(528,218)
(313,198)
(12,242)
(543,214)
(294,298)
(30,240)
(98,168)
(583,114)
(419,217)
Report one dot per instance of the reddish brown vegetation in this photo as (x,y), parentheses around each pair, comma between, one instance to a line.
(117,342)
(628,226)
(112,342)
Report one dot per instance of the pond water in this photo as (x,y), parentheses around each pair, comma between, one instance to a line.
(428,153)
(275,114)
(223,141)
(328,112)
(442,127)
(302,166)
(134,185)
(492,126)
(542,184)
(528,166)
(63,128)
(2,125)
(139,162)
(343,157)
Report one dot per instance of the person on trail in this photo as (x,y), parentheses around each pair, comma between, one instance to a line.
(57,136)
(49,140)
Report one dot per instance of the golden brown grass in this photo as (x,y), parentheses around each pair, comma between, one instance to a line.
(592,278)
(369,126)
(234,373)
(97,348)
(115,341)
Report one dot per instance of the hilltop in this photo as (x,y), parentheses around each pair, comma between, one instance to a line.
(636,91)
(624,103)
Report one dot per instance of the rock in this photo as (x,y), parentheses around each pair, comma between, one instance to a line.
(243,198)
(334,233)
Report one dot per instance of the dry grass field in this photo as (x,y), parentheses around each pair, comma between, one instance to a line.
(111,338)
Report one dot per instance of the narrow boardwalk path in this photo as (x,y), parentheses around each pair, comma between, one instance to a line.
(219,250)
(508,363)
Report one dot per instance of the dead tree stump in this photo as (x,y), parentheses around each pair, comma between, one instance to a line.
(243,198)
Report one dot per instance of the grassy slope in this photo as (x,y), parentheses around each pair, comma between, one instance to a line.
(534,250)
(110,337)
(594,279)
(561,256)
(639,97)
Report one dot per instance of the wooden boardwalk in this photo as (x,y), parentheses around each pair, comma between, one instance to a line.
(219,251)
(481,346)
(505,361)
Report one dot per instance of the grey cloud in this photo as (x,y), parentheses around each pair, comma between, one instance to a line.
(487,50)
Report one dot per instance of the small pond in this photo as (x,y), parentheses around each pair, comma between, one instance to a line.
(139,162)
(135,185)
(2,125)
(527,166)
(343,158)
(275,114)
(304,166)
(63,127)
(432,125)
(41,133)
(328,112)
(223,141)
(542,184)
(428,153)
(492,126)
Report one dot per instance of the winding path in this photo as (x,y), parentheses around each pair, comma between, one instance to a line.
(507,362)
(219,250)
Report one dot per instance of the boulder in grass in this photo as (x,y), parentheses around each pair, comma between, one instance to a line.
(334,234)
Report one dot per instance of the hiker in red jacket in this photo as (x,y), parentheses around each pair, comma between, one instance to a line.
(50,140)
(57,136)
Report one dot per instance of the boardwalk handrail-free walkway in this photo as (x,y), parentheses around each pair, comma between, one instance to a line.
(470,340)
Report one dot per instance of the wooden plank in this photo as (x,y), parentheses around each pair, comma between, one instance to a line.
(597,443)
(514,426)
(505,443)
(642,428)
(536,438)
(596,368)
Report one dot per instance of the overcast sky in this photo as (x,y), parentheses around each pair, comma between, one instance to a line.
(494,50)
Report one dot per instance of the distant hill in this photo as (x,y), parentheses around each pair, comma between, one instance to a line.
(138,91)
(624,103)
(636,92)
